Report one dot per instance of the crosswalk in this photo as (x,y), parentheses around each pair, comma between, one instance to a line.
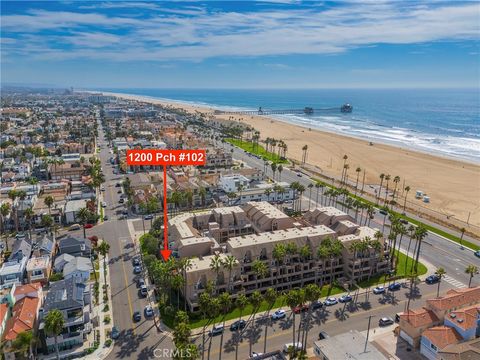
(454,282)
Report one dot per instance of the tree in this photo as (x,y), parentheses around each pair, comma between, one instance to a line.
(103,249)
(312,293)
(387,179)
(301,190)
(274,169)
(29,214)
(407,189)
(271,296)
(225,300)
(318,186)
(229,263)
(420,234)
(357,170)
(241,303)
(84,215)
(396,180)
(23,343)
(216,264)
(12,195)
(260,270)
(49,201)
(267,192)
(47,222)
(294,298)
(310,187)
(5,209)
(440,272)
(149,244)
(54,323)
(280,169)
(471,270)
(184,265)
(382,176)
(304,156)
(462,231)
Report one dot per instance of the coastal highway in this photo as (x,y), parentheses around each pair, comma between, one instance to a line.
(333,320)
(436,250)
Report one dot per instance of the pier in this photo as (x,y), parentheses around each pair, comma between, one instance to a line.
(346,108)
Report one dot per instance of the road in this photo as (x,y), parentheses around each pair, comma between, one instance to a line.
(137,340)
(334,320)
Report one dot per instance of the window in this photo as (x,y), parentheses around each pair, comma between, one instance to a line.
(434,348)
(37,272)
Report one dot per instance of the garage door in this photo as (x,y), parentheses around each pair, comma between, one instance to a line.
(406,337)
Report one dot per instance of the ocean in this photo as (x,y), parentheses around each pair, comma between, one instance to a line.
(441,122)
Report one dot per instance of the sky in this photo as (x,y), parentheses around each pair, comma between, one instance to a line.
(234,44)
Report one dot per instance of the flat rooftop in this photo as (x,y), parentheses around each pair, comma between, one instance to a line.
(40,262)
(279,236)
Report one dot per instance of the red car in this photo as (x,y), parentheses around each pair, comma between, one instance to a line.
(88,226)
(299,309)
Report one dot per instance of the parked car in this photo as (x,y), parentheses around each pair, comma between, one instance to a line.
(114,334)
(279,314)
(148,217)
(404,221)
(316,305)
(105,217)
(432,279)
(323,335)
(118,185)
(137,316)
(102,188)
(300,308)
(394,286)
(143,291)
(331,301)
(104,204)
(140,282)
(74,227)
(137,270)
(256,355)
(122,217)
(136,261)
(385,321)
(148,311)
(379,290)
(345,298)
(383,212)
(238,325)
(121,201)
(88,226)
(217,330)
(477,253)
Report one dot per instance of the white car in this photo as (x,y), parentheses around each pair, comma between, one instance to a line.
(279,314)
(331,301)
(379,290)
(104,204)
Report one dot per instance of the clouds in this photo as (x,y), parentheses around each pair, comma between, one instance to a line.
(103,31)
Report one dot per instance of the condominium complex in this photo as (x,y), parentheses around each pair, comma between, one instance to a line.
(253,231)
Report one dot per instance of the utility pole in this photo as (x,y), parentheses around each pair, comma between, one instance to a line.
(368,332)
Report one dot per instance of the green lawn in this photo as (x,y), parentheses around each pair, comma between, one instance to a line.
(196,320)
(402,271)
(257,150)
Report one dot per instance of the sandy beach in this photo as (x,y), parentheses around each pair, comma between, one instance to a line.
(452,185)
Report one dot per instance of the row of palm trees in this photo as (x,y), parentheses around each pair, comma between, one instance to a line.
(471,270)
(277,147)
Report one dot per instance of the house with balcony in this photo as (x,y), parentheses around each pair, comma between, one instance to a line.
(74,246)
(73,299)
(13,272)
(38,269)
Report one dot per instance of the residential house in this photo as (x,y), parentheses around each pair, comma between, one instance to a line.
(74,246)
(38,269)
(73,299)
(468,350)
(72,208)
(78,268)
(437,338)
(13,272)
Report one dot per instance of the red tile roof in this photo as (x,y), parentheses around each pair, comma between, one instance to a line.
(3,311)
(23,319)
(455,299)
(420,317)
(467,316)
(27,289)
(441,336)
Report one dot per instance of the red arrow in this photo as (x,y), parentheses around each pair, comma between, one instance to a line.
(165,251)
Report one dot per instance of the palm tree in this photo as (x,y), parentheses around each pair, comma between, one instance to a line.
(382,176)
(4,212)
(267,192)
(280,169)
(336,248)
(357,170)
(323,254)
(29,214)
(84,215)
(12,195)
(103,249)
(471,270)
(407,189)
(49,200)
(440,272)
(396,180)
(293,298)
(225,300)
(23,343)
(420,234)
(304,156)
(318,185)
(411,235)
(270,297)
(255,300)
(184,265)
(229,263)
(241,303)
(203,194)
(260,270)
(274,168)
(301,190)
(215,265)
(387,179)
(312,293)
(54,323)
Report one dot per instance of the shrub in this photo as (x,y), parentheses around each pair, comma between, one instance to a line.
(107,319)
